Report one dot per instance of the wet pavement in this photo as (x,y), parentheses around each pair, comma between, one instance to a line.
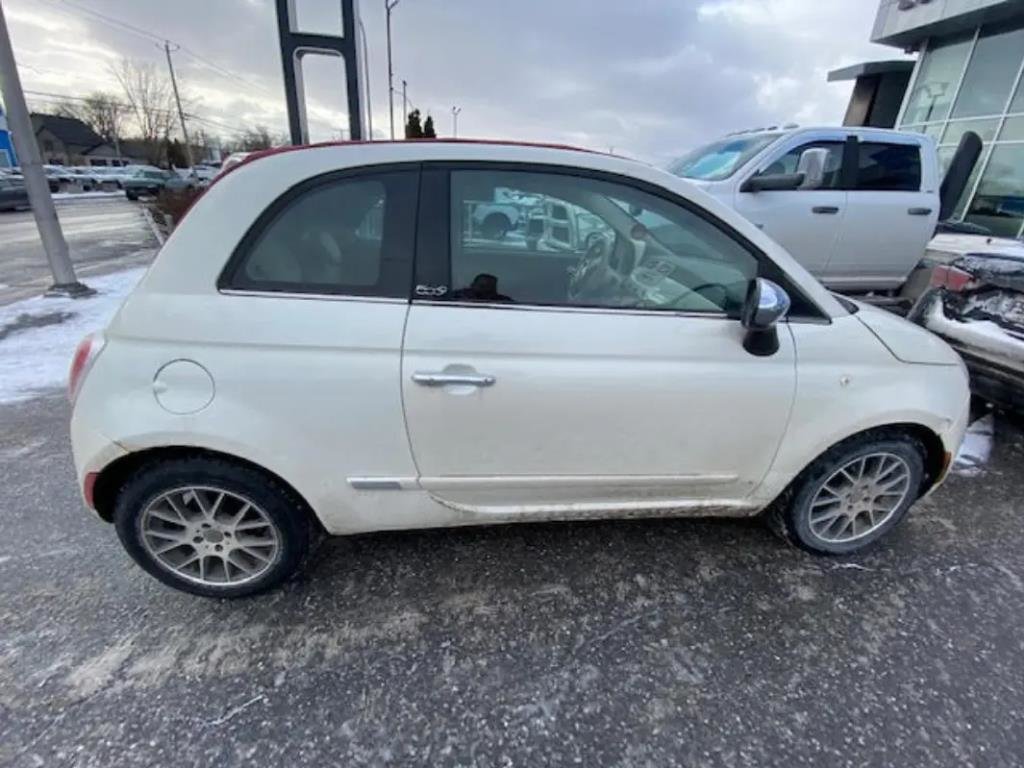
(104,234)
(661,643)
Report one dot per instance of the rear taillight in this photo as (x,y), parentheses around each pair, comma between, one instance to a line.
(951,278)
(85,355)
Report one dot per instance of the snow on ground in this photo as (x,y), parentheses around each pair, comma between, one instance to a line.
(65,196)
(976,448)
(38,336)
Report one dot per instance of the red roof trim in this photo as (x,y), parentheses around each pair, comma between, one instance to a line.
(260,153)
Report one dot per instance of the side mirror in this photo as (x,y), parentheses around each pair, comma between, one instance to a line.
(812,166)
(765,306)
(773,182)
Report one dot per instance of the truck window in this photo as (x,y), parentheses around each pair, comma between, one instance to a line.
(888,167)
(789,162)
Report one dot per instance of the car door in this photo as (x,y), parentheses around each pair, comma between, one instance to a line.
(892,209)
(305,343)
(619,384)
(806,222)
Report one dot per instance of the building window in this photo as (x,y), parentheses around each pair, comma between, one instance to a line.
(998,204)
(937,78)
(991,73)
(976,83)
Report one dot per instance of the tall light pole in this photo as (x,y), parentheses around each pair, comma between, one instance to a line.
(65,283)
(366,77)
(389,5)
(455,121)
(177,100)
(405,105)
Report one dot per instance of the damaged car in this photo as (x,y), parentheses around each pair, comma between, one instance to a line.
(975,302)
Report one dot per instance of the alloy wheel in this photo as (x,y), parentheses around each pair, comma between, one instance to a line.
(859,497)
(210,536)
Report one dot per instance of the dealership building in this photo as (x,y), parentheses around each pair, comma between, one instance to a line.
(967,77)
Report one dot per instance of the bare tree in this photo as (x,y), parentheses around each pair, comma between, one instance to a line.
(257,137)
(105,115)
(150,103)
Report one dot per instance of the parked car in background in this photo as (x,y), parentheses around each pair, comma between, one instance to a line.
(976,303)
(235,158)
(861,223)
(13,196)
(323,345)
(146,180)
(113,175)
(58,177)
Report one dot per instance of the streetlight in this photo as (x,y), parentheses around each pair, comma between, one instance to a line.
(388,7)
(455,121)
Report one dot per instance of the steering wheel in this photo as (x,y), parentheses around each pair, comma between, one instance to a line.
(592,272)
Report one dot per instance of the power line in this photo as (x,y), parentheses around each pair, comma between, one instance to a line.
(59,97)
(126,27)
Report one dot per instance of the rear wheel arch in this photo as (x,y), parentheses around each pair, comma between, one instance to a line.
(113,476)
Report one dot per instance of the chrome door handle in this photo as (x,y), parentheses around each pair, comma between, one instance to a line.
(825,209)
(919,211)
(444,379)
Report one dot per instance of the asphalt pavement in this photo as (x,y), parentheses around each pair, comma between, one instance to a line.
(642,643)
(104,234)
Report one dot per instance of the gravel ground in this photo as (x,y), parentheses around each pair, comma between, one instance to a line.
(663,643)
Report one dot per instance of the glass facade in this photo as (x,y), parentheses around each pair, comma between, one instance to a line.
(974,83)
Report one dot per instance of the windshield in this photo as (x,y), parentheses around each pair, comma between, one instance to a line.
(720,159)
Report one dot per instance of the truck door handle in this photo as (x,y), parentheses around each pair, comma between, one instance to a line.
(444,379)
(919,211)
(825,209)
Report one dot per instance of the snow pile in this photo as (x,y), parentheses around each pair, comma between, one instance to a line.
(977,447)
(38,336)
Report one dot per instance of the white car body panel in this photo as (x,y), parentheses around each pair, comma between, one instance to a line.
(592,414)
(568,383)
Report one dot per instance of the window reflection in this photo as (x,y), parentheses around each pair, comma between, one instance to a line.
(999,202)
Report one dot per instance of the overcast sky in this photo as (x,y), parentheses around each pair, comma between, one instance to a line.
(650,78)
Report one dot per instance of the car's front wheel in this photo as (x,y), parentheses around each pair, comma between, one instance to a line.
(853,495)
(212,527)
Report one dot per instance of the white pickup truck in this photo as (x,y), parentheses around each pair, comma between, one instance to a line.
(859,221)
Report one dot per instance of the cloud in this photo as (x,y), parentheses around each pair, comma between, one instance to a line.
(648,77)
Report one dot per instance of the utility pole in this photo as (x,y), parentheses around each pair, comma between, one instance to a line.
(366,76)
(388,7)
(65,283)
(405,106)
(455,121)
(177,100)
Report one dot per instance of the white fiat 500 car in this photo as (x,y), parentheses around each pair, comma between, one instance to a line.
(330,343)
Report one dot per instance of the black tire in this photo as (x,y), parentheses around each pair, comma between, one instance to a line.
(495,226)
(290,517)
(131,195)
(789,517)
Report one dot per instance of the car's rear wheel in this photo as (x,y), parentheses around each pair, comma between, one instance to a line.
(853,495)
(212,527)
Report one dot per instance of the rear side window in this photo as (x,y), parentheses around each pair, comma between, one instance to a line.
(888,167)
(350,236)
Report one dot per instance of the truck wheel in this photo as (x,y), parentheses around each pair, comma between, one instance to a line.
(495,226)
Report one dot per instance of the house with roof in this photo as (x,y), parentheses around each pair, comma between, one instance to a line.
(69,141)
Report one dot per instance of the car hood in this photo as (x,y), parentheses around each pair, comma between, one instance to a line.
(907,342)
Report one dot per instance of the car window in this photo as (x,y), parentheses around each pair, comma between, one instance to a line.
(720,159)
(888,167)
(790,161)
(559,240)
(348,236)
